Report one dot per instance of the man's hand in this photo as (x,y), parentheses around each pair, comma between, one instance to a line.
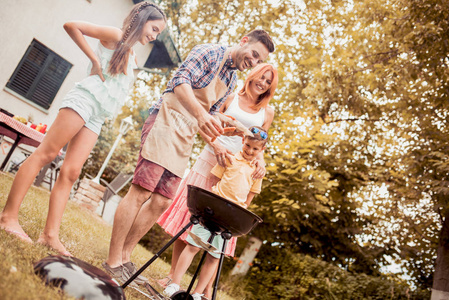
(209,125)
(206,123)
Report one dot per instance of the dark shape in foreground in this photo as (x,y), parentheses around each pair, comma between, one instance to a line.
(78,278)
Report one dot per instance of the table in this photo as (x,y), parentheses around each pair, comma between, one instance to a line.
(20,133)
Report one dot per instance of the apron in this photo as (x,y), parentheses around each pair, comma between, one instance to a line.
(169,143)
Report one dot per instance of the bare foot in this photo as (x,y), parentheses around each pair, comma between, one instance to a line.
(164,281)
(53,243)
(15,229)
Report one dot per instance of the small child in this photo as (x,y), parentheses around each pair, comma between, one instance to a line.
(237,185)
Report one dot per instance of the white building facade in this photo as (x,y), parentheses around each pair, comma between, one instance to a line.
(39,62)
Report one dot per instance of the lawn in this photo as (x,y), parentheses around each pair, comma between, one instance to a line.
(85,235)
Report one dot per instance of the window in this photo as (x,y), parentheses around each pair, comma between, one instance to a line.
(39,75)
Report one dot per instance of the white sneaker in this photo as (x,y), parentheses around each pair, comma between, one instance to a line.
(197,296)
(171,289)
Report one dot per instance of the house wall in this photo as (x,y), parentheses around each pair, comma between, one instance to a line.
(23,20)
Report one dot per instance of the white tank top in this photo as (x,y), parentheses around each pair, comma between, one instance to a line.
(234,143)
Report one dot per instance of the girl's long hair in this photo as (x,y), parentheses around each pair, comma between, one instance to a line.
(132,31)
(256,73)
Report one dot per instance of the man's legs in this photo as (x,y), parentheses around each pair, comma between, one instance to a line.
(147,216)
(125,216)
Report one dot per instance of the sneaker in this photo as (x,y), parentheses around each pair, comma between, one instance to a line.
(130,270)
(117,273)
(171,289)
(197,296)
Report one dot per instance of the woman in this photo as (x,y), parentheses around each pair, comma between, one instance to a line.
(250,107)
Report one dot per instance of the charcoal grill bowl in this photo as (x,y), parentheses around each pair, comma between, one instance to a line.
(218,214)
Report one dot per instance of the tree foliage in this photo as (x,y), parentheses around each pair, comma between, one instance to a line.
(358,153)
(296,276)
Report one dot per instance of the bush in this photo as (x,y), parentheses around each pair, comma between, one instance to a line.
(296,276)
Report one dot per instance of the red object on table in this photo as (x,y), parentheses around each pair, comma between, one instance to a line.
(44,128)
(20,133)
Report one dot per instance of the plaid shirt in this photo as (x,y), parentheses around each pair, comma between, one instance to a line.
(198,70)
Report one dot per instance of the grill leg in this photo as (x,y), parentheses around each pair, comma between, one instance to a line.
(193,220)
(226,236)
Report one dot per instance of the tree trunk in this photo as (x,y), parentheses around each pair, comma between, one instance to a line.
(440,288)
(247,257)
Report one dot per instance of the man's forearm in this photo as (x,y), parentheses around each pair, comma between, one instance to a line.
(187,98)
(206,122)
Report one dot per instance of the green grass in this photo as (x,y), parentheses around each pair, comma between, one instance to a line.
(83,233)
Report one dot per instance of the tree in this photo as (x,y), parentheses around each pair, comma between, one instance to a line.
(386,65)
(357,148)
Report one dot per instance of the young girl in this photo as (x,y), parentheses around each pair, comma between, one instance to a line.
(82,114)
(250,107)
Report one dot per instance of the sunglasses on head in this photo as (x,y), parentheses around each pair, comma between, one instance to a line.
(263,134)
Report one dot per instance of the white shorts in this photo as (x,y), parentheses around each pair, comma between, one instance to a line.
(85,105)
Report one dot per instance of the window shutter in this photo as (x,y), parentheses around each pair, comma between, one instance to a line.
(39,75)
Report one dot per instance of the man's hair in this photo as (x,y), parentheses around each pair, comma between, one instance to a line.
(260,35)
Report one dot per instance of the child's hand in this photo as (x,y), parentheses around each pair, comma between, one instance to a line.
(96,70)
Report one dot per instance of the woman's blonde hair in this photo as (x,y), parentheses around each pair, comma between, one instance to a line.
(132,31)
(256,73)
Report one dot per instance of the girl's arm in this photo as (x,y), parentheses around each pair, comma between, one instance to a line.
(260,162)
(249,199)
(136,71)
(108,36)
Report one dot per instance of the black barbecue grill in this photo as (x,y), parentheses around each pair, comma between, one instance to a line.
(219,215)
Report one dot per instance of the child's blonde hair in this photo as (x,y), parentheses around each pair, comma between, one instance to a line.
(132,31)
(257,73)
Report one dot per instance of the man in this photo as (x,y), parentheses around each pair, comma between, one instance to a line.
(186,107)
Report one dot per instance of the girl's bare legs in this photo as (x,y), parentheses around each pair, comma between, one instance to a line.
(209,288)
(178,247)
(66,125)
(184,261)
(77,153)
(207,277)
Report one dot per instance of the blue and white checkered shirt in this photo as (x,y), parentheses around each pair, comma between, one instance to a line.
(198,70)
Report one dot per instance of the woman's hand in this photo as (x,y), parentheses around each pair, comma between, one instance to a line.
(221,154)
(260,171)
(96,70)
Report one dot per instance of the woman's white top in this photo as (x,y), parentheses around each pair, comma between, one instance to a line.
(234,143)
